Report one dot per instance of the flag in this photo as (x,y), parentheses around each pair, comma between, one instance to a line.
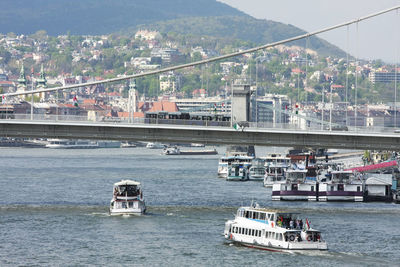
(307,224)
(75,100)
(236,126)
(3,99)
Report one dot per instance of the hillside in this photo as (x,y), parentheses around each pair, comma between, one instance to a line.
(189,17)
(93,17)
(244,28)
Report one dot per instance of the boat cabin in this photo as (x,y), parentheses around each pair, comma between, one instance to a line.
(295,175)
(126,189)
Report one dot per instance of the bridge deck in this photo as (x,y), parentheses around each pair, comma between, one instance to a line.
(198,134)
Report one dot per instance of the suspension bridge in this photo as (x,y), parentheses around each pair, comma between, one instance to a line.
(356,138)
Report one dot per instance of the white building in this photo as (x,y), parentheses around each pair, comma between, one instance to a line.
(170,82)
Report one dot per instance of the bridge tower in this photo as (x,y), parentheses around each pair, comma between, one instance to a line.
(240,102)
(132,99)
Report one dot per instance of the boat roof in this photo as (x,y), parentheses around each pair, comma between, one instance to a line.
(126,182)
(342,171)
(296,171)
(269,210)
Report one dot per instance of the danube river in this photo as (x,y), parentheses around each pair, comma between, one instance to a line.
(54,211)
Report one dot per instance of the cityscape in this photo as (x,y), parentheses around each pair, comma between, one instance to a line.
(198,133)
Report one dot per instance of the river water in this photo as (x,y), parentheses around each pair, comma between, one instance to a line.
(54,211)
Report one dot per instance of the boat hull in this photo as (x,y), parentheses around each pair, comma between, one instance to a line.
(127,207)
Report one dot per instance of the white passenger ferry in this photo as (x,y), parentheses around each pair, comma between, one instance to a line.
(272,230)
(127,199)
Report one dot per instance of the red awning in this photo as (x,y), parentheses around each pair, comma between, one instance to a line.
(372,167)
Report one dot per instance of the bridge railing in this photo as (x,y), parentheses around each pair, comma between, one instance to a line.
(202,123)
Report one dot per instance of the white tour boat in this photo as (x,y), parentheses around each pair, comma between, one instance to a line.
(127,199)
(272,230)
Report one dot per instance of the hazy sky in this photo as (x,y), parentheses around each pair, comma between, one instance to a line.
(378,38)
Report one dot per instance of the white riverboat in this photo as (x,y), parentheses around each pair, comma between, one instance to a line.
(276,165)
(272,230)
(225,163)
(71,144)
(341,185)
(257,170)
(127,199)
(237,171)
(300,184)
(156,145)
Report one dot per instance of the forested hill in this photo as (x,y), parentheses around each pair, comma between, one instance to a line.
(232,28)
(93,17)
(189,17)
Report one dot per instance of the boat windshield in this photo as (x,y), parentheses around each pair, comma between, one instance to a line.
(342,177)
(127,190)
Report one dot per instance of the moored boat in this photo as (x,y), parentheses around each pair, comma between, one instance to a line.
(127,199)
(237,171)
(156,145)
(275,169)
(257,170)
(341,185)
(71,144)
(176,151)
(272,230)
(300,184)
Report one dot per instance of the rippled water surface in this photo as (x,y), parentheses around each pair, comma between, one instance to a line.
(54,211)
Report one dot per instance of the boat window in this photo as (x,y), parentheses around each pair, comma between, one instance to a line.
(312,188)
(255,215)
(358,189)
(332,188)
(340,187)
(246,214)
(259,233)
(280,237)
(262,216)
(130,204)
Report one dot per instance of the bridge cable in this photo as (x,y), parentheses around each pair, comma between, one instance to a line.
(218,58)
(395,71)
(347,75)
(356,77)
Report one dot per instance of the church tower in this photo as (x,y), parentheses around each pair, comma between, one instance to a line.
(132,99)
(22,82)
(41,82)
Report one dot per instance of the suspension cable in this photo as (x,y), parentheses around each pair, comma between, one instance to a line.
(218,58)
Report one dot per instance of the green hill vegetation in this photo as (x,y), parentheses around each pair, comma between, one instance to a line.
(194,18)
